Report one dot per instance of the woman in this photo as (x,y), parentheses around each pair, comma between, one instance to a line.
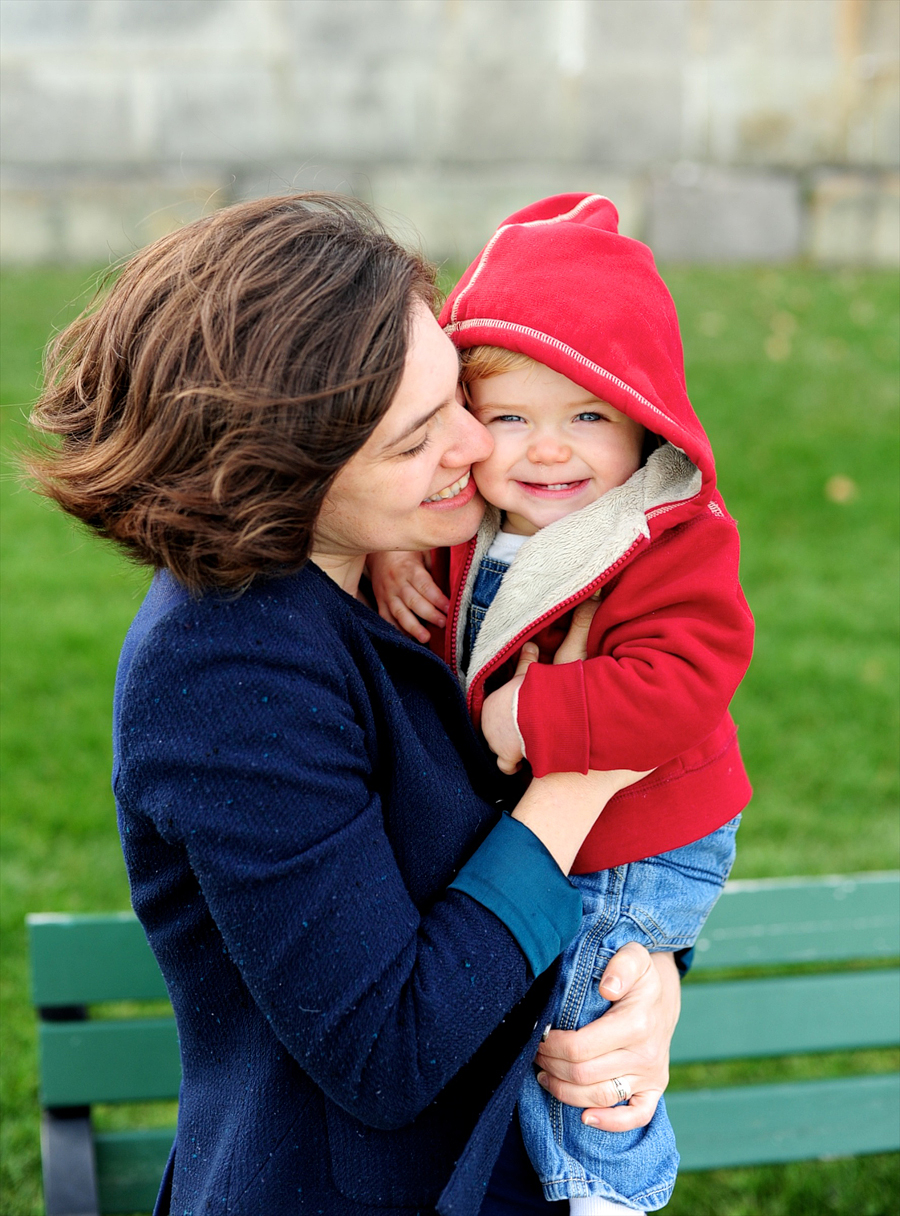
(357,949)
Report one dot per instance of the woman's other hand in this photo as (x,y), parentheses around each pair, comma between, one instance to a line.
(628,1044)
(406,593)
(498,714)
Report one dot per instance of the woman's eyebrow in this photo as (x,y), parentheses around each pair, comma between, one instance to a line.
(414,426)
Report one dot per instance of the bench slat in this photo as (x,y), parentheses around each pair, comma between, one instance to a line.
(130,1166)
(725,1128)
(117,1061)
(85,960)
(715,1129)
(802,920)
(788,1015)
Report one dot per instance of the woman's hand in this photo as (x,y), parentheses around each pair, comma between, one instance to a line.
(628,1044)
(561,808)
(498,714)
(406,593)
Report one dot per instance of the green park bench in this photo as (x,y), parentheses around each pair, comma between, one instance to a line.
(80,962)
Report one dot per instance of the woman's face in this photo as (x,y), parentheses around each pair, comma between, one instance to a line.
(410,486)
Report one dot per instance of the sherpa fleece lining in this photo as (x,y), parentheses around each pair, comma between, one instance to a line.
(564,558)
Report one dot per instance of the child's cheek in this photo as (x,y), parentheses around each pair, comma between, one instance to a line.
(485,474)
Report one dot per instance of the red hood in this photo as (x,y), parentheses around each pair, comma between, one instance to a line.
(558,283)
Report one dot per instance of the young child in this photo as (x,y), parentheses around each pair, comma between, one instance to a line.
(601,482)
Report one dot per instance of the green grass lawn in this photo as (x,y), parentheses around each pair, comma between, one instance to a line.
(794,373)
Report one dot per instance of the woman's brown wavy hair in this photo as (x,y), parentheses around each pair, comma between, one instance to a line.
(207,401)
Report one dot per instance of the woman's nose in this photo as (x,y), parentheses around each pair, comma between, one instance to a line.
(470,444)
(547,449)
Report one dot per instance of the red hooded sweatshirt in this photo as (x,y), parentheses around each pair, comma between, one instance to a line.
(673,635)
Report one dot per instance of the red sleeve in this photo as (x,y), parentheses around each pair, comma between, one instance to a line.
(673,638)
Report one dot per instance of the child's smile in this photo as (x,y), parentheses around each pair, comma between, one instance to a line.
(556,448)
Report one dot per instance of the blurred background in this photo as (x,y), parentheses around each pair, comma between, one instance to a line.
(723,129)
(754,144)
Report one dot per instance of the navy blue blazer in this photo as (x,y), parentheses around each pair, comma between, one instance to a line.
(298,785)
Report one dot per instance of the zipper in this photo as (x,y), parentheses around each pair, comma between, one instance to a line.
(462,585)
(564,605)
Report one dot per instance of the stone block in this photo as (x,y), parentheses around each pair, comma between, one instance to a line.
(698,214)
(453,210)
(505,88)
(219,113)
(456,112)
(855,219)
(633,116)
(659,28)
(92,220)
(57,112)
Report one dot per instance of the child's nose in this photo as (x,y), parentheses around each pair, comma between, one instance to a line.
(547,449)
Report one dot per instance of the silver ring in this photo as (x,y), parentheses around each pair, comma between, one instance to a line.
(619,1086)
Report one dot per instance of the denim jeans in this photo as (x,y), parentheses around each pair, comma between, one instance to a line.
(662,903)
(487,584)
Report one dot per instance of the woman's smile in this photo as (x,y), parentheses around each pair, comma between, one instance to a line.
(454,496)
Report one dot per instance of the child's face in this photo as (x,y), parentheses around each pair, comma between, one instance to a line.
(556,448)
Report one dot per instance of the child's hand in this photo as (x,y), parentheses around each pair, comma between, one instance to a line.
(499,723)
(405,591)
(498,716)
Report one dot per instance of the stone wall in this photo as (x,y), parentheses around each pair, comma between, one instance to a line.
(723,129)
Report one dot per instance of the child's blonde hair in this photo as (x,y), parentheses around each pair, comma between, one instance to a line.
(481,362)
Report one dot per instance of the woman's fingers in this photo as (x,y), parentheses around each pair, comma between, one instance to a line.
(586,1073)
(630,1042)
(604,1101)
(599,1093)
(625,969)
(638,1113)
(629,973)
(574,644)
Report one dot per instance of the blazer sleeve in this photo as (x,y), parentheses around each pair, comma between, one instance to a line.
(675,639)
(259,766)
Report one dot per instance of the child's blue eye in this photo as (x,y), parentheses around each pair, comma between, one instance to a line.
(590,416)
(509,418)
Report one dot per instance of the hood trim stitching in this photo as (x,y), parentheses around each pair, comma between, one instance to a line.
(456,327)
(553,219)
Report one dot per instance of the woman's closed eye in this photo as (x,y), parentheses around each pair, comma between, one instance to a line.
(420,447)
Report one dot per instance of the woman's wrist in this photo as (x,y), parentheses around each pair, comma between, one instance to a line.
(514,876)
(561,809)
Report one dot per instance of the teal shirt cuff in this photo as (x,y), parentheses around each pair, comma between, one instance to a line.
(514,876)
